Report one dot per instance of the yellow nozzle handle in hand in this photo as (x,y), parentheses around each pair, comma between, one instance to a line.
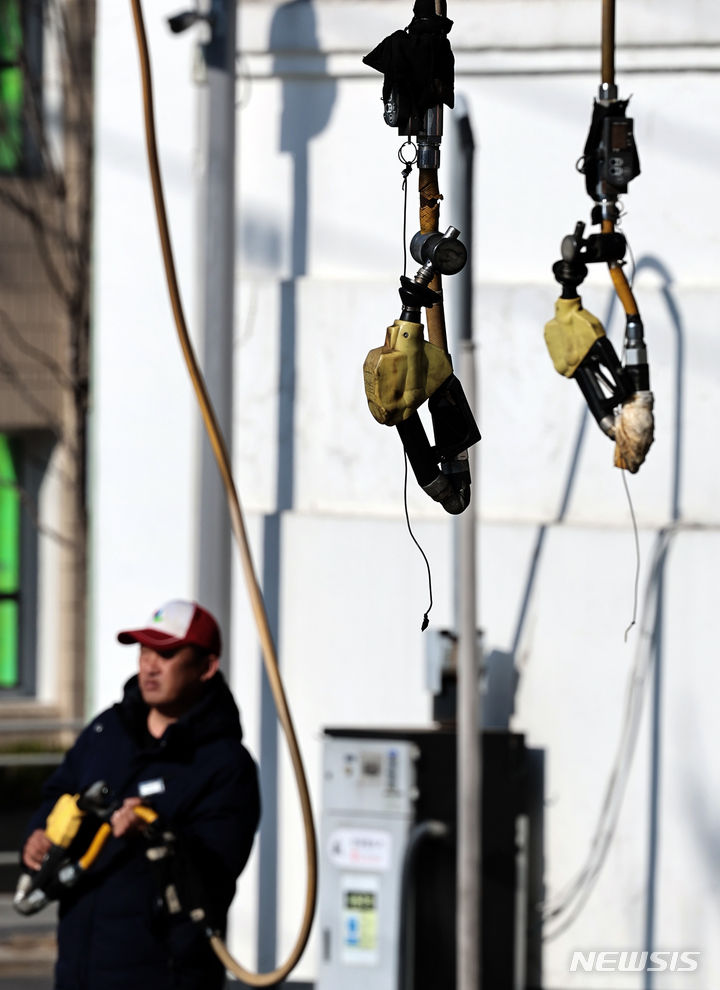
(105,831)
(147,814)
(64,820)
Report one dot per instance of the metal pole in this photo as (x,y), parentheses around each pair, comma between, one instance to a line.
(608,43)
(217,236)
(469,737)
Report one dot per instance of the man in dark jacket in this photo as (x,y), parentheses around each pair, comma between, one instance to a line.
(173,743)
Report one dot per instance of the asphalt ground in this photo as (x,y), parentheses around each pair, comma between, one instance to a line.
(25,982)
(27,947)
(28,950)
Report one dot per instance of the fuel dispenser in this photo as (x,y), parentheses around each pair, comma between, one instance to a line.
(386,909)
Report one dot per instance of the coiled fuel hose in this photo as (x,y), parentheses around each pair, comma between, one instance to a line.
(238,527)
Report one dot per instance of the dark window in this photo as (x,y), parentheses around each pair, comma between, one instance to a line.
(11,86)
(20,85)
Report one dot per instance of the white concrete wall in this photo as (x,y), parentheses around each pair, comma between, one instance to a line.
(319,255)
(143,417)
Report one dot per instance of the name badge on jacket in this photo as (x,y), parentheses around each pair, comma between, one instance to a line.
(146,788)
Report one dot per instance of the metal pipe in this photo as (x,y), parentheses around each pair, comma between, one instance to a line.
(429,223)
(608,43)
(216,221)
(469,736)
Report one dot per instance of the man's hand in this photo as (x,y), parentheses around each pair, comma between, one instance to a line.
(124,820)
(35,849)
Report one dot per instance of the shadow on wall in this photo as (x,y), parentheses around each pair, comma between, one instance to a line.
(504,676)
(307,105)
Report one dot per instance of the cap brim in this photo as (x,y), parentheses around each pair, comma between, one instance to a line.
(149,637)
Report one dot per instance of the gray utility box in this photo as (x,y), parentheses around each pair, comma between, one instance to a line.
(369,788)
(387,894)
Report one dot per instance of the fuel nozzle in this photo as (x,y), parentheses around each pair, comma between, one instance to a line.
(443,470)
(618,395)
(409,370)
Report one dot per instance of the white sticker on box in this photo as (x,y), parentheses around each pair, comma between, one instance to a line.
(360,848)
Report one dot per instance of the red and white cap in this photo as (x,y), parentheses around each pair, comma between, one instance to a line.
(175,624)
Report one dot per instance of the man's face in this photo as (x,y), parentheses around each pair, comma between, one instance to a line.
(171,680)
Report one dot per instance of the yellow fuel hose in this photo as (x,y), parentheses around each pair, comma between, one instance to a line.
(238,527)
(620,282)
(430,222)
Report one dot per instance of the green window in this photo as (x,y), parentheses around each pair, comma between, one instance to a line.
(9,567)
(11,86)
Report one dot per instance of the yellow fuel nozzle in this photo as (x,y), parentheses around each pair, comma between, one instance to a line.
(403,373)
(571,334)
(581,350)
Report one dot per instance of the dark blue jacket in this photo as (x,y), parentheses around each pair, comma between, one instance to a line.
(112,933)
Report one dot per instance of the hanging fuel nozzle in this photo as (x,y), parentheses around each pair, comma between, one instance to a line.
(409,370)
(576,339)
(418,67)
(618,394)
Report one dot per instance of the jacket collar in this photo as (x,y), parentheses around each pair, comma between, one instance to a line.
(213,716)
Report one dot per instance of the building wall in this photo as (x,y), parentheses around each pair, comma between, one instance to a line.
(44,287)
(319,226)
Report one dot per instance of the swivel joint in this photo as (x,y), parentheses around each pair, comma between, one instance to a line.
(439,254)
(443,253)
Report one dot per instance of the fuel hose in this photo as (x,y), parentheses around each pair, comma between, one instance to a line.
(219,447)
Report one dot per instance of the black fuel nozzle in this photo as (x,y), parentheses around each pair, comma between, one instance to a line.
(604,383)
(98,799)
(443,470)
